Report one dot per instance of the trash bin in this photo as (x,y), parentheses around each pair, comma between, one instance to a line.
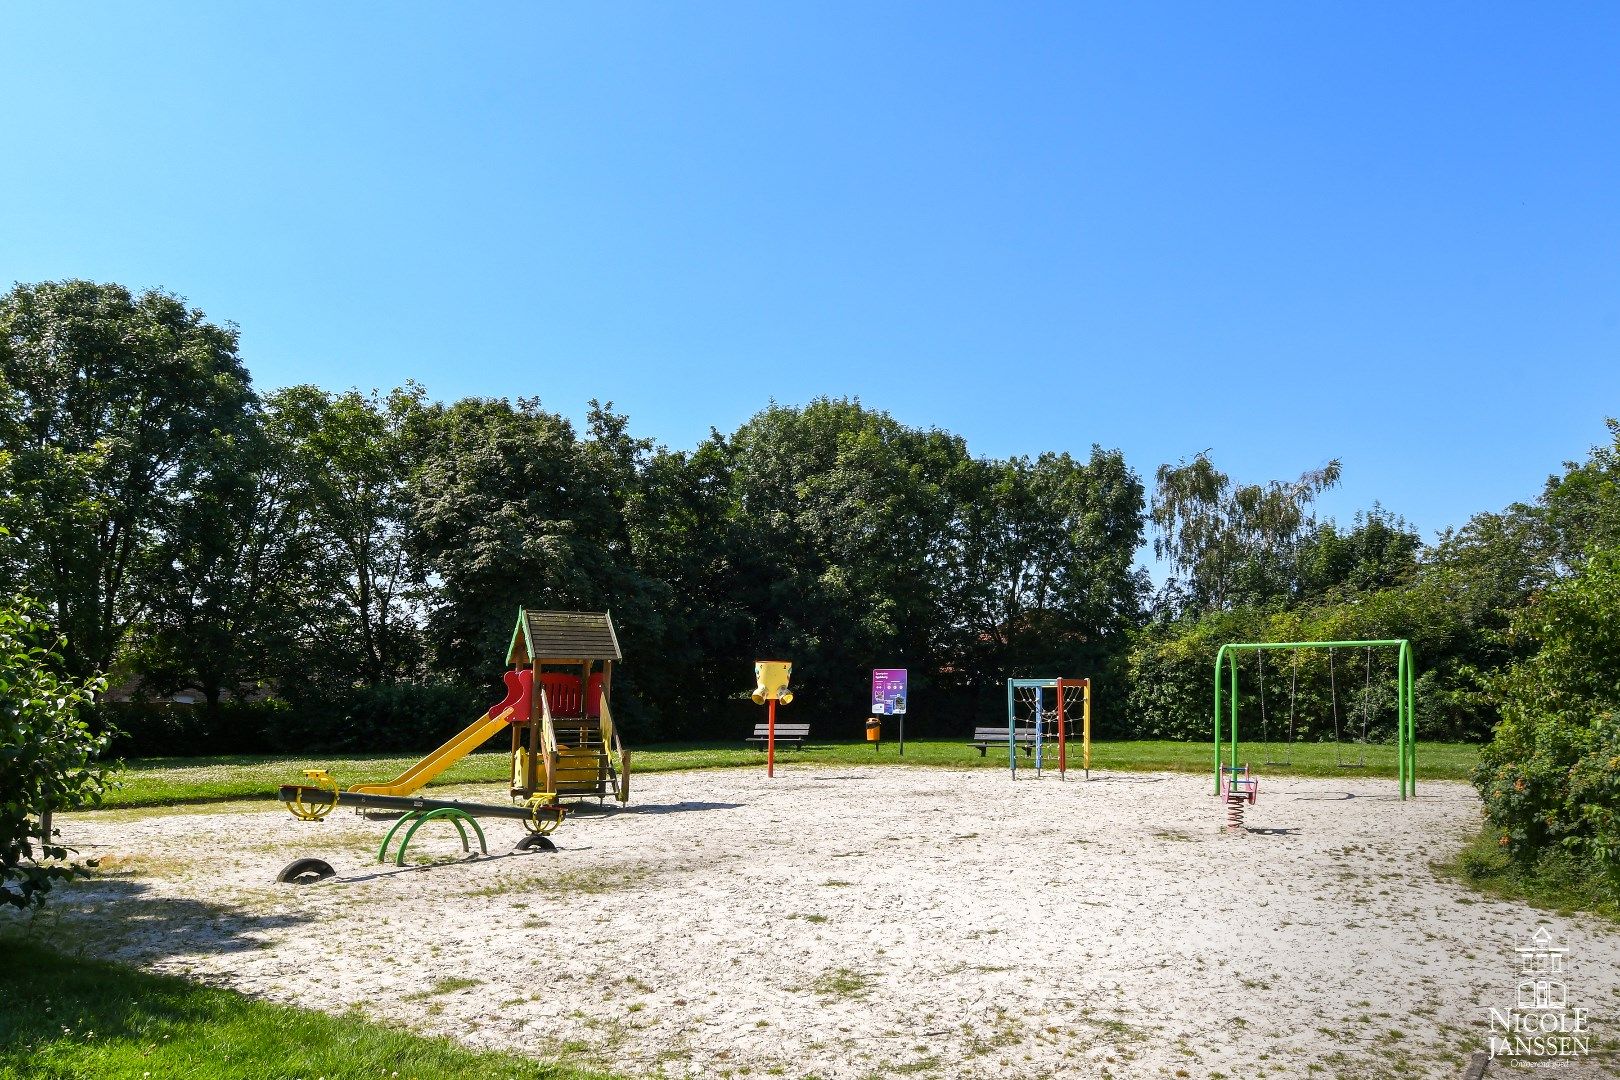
(874,730)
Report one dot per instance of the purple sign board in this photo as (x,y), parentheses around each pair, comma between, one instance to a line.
(889,691)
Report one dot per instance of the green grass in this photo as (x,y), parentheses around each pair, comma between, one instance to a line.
(842,983)
(1557,882)
(167,781)
(74,1019)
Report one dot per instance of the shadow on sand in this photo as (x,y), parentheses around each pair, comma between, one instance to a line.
(100,917)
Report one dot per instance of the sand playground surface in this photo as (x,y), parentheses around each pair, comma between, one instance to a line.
(839,922)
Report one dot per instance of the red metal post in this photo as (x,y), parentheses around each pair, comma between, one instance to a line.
(1063,734)
(770,739)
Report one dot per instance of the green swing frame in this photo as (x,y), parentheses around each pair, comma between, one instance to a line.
(1405,698)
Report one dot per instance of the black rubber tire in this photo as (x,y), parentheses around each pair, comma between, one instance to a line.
(305,872)
(534,842)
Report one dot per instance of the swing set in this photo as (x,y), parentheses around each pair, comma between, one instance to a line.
(1405,732)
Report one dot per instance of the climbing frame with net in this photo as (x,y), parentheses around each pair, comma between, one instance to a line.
(1043,716)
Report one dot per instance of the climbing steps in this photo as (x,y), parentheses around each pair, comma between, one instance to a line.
(584,768)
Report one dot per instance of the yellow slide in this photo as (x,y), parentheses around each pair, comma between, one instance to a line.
(470,738)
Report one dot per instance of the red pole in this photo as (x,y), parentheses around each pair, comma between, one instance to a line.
(770,740)
(1063,732)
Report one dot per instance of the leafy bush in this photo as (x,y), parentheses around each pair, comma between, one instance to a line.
(365,719)
(46,754)
(395,716)
(1172,665)
(1551,778)
(170,729)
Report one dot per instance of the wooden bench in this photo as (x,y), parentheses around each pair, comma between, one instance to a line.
(986,737)
(786,735)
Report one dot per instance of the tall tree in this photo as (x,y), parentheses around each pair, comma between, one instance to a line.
(845,516)
(1582,507)
(352,455)
(1232,543)
(686,535)
(227,587)
(1046,562)
(1379,551)
(509,508)
(108,397)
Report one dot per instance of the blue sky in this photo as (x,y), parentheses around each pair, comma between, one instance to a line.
(1280,232)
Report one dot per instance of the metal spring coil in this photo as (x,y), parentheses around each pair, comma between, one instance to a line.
(1234,810)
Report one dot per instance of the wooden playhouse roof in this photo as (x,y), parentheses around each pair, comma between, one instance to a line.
(563,635)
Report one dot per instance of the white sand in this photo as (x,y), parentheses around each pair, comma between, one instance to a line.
(849,922)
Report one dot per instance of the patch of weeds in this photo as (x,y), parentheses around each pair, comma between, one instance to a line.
(834,883)
(842,983)
(444,986)
(584,881)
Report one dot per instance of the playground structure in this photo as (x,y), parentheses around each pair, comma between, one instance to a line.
(569,748)
(1071,699)
(564,744)
(771,679)
(1228,771)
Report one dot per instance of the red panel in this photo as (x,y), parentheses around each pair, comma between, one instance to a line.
(514,691)
(523,707)
(562,693)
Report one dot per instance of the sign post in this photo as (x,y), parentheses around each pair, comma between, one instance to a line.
(889,697)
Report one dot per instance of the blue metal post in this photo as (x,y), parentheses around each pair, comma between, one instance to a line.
(1012,733)
(1040,726)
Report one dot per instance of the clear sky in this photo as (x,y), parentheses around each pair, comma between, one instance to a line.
(1281,232)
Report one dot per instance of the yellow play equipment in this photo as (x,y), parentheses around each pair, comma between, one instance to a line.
(771,679)
(564,746)
(568,746)
(564,743)
(470,738)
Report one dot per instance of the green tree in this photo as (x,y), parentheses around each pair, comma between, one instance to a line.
(1379,551)
(350,456)
(1232,544)
(1551,776)
(509,508)
(226,589)
(47,754)
(1046,571)
(685,535)
(856,541)
(1582,507)
(846,518)
(108,399)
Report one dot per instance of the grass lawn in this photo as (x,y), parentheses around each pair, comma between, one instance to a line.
(165,781)
(67,1019)
(1557,882)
